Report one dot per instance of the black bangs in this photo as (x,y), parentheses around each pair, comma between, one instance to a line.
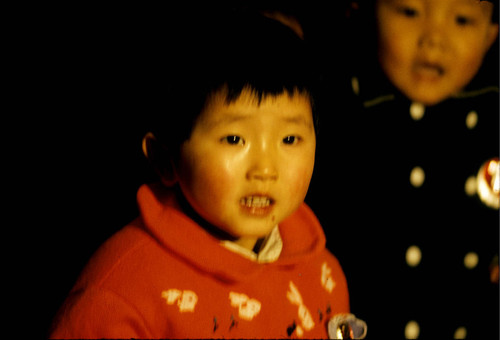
(232,92)
(252,50)
(206,52)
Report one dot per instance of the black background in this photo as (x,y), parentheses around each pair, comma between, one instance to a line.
(82,83)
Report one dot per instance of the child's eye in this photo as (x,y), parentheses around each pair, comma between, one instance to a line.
(408,12)
(232,140)
(463,20)
(289,140)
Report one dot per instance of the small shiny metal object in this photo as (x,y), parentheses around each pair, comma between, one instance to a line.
(488,183)
(346,326)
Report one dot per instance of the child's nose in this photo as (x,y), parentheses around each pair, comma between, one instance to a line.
(263,166)
(433,36)
(265,173)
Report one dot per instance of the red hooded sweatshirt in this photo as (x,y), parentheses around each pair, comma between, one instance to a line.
(163,276)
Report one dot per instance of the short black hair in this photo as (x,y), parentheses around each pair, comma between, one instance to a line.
(229,50)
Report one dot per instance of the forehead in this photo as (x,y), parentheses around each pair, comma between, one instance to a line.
(292,107)
(486,6)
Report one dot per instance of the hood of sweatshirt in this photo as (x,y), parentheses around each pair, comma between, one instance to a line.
(301,233)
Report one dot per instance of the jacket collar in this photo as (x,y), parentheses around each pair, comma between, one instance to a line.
(301,235)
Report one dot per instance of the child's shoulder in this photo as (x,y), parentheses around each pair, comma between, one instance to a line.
(121,251)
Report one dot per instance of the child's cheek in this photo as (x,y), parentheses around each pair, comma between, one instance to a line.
(297,181)
(466,64)
(217,176)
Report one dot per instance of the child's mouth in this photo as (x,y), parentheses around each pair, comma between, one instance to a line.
(256,201)
(428,70)
(257,205)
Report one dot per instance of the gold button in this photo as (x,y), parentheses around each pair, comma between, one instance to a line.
(417,177)
(417,111)
(471,120)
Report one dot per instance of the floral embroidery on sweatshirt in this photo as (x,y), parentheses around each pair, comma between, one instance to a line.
(247,308)
(305,316)
(326,278)
(186,300)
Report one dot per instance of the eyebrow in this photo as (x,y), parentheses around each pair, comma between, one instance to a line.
(233,118)
(298,120)
(471,3)
(226,119)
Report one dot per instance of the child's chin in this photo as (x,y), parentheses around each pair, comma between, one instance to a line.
(428,99)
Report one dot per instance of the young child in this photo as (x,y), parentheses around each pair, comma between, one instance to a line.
(430,50)
(224,246)
(424,127)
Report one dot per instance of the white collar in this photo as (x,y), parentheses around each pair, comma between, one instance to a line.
(269,252)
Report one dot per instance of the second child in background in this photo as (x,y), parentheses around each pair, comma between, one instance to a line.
(419,177)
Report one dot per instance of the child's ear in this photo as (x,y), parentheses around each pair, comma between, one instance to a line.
(160,158)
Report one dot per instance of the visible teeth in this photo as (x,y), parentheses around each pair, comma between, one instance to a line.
(255,201)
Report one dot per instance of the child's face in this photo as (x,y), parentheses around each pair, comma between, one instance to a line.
(431,49)
(247,166)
